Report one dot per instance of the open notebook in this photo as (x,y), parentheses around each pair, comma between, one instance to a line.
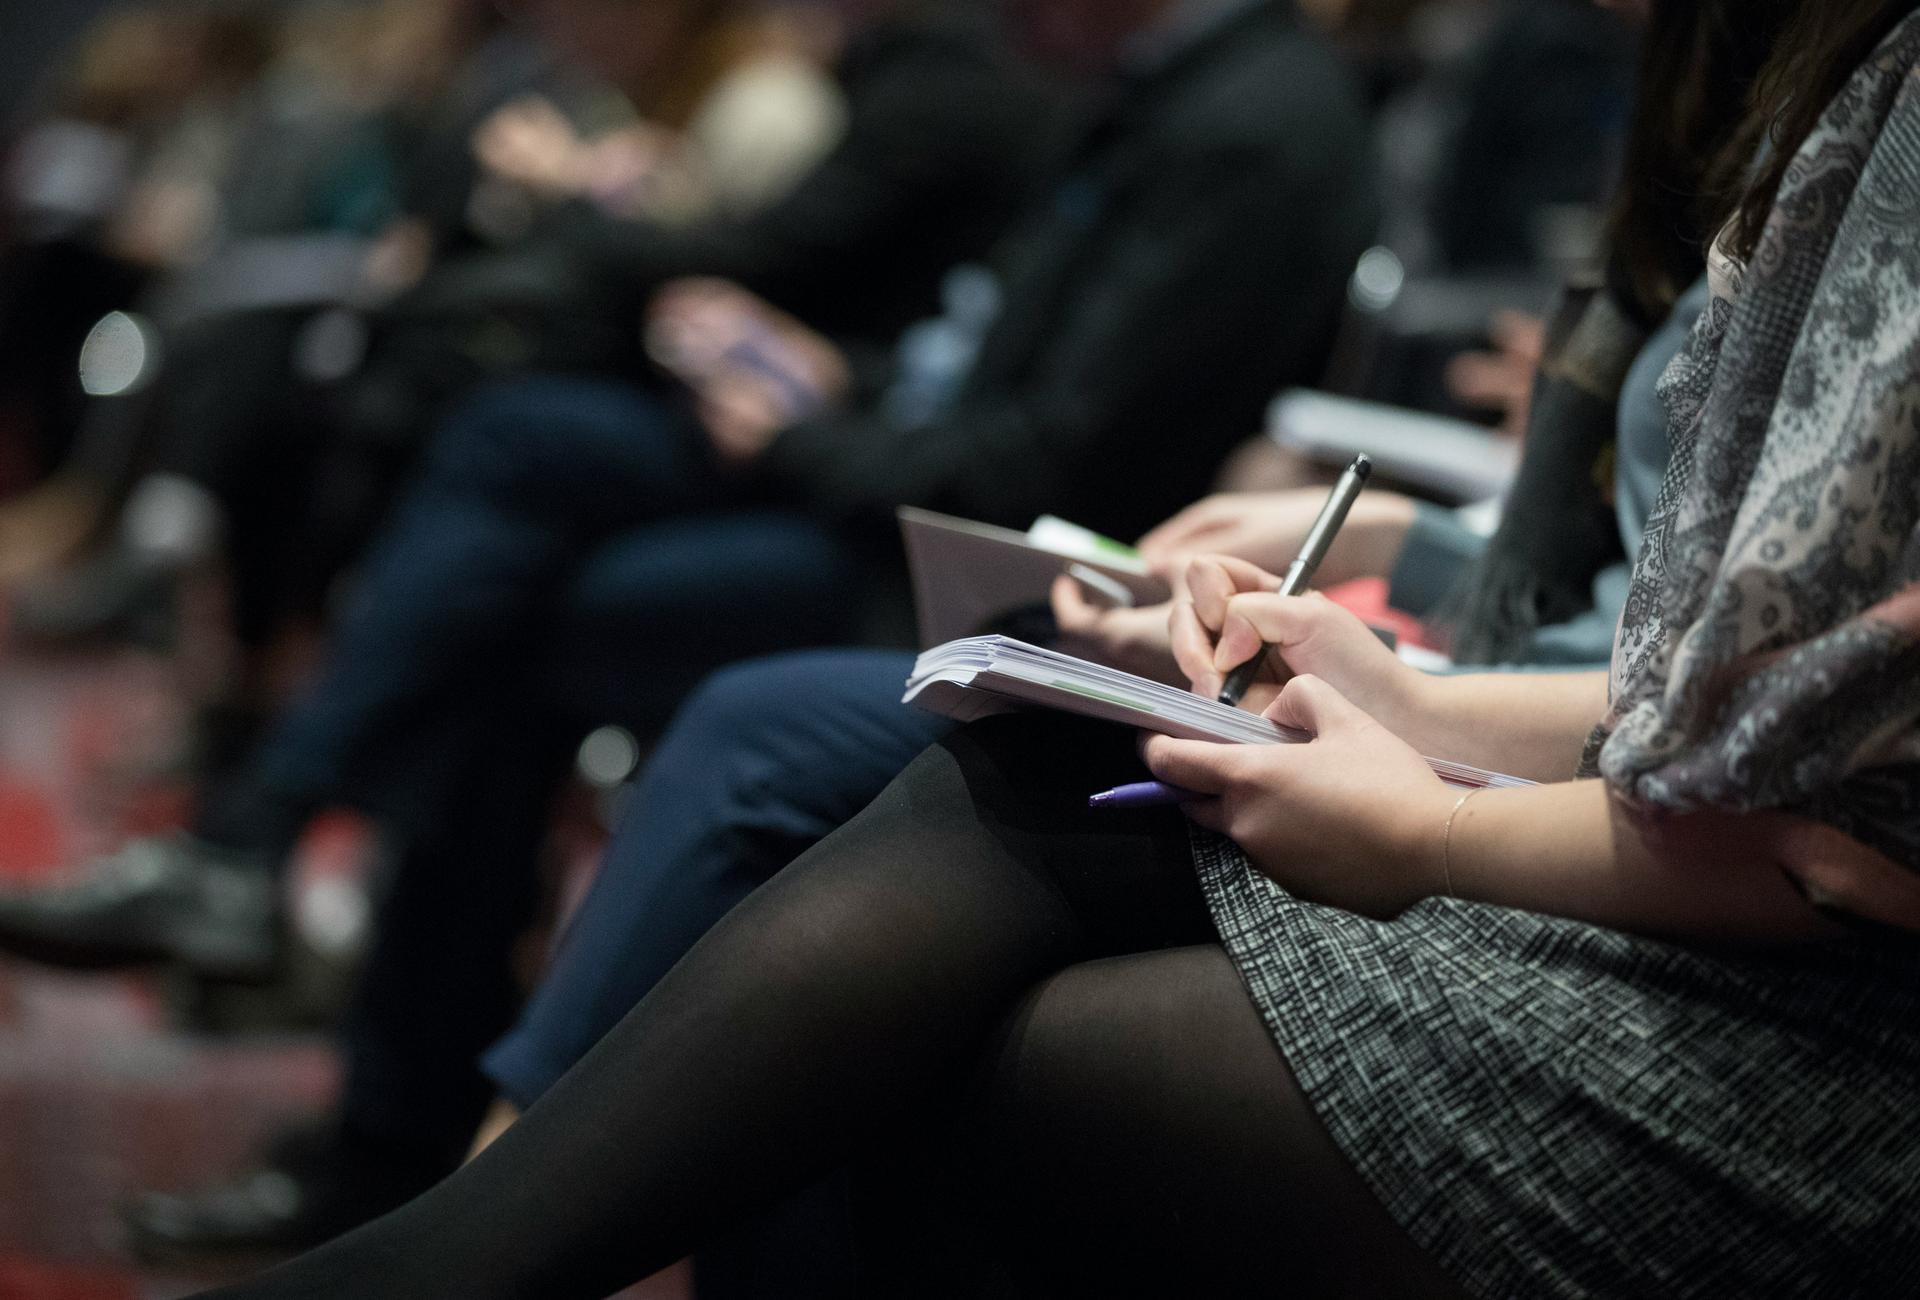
(981,676)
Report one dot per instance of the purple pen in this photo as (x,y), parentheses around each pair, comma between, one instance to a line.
(1146,794)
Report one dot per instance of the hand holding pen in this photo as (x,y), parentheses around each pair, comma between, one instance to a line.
(1299,574)
(1207,650)
(1233,610)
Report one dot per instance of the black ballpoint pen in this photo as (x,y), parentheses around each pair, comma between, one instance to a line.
(1313,550)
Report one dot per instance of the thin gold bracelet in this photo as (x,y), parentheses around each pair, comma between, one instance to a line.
(1446,842)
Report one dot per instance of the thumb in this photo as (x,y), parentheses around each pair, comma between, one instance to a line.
(1311,705)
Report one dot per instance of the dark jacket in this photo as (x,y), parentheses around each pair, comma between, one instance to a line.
(946,137)
(1189,260)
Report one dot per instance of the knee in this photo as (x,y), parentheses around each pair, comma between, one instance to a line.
(742,707)
(808,709)
(741,748)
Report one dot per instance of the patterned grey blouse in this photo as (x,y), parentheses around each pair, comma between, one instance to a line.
(1769,653)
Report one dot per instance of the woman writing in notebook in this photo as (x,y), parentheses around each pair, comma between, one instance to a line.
(1647,1031)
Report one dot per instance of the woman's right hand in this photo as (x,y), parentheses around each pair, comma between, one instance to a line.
(1232,608)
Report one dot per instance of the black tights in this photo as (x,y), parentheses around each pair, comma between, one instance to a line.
(1012,1004)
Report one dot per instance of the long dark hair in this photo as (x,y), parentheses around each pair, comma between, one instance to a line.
(1701,69)
(1826,41)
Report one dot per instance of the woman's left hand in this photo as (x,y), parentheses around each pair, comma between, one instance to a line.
(1354,819)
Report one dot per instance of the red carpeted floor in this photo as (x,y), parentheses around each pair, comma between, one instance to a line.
(100,1095)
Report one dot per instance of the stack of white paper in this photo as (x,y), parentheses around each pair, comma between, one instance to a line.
(981,676)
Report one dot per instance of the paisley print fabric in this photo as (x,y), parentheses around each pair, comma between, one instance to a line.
(1769,653)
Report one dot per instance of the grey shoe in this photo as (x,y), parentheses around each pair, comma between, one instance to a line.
(166,899)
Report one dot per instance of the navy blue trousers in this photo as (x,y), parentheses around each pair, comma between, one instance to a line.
(767,758)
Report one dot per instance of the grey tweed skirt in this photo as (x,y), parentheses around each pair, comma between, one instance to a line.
(1554,1109)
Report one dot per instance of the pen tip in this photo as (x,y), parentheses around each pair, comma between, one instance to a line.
(1362,466)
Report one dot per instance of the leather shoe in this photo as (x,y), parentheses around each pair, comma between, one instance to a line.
(165,899)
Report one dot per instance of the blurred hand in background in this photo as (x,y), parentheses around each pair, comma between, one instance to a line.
(1501,380)
(752,368)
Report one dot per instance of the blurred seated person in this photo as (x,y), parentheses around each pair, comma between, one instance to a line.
(362,126)
(941,139)
(770,113)
(1223,185)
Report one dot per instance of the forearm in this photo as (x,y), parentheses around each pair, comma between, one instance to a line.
(1531,725)
(1572,850)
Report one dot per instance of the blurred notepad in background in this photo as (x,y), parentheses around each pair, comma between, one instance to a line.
(969,577)
(1453,460)
(981,676)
